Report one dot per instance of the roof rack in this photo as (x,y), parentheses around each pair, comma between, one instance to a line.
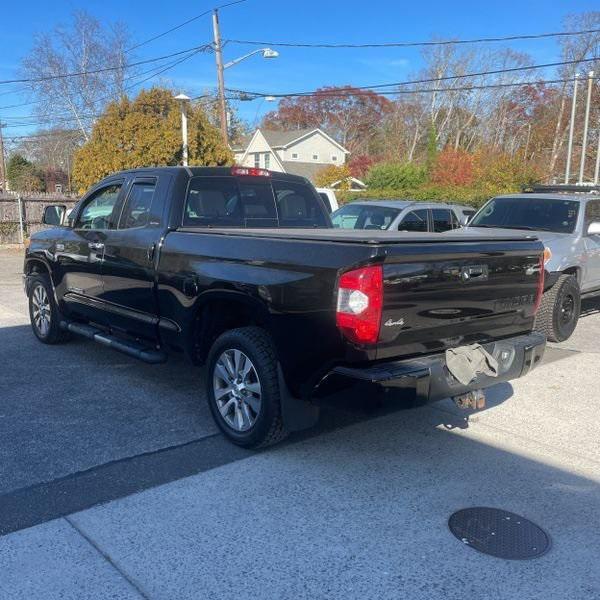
(562,188)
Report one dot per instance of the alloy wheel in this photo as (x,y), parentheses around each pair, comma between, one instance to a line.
(237,389)
(41,310)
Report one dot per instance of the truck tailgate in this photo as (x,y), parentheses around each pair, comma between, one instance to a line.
(456,292)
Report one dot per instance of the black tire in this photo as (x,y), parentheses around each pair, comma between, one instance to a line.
(256,345)
(39,286)
(559,310)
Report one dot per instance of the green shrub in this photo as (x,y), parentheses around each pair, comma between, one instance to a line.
(395,176)
(472,195)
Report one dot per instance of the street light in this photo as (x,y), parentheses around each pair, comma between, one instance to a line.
(183,101)
(266,53)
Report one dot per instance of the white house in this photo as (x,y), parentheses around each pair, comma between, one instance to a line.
(300,152)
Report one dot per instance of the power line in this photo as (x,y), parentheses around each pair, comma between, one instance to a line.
(467,88)
(24,88)
(420,81)
(533,36)
(128,78)
(344,93)
(202,48)
(59,117)
(67,119)
(206,12)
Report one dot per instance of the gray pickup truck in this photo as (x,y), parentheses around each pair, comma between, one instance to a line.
(567,220)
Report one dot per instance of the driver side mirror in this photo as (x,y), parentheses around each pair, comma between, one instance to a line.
(464,220)
(54,214)
(594,228)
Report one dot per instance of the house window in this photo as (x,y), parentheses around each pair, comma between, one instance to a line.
(333,158)
(257,160)
(294,155)
(267,160)
(315,157)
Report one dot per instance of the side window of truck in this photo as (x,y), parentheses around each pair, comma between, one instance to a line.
(442,219)
(136,211)
(415,220)
(455,220)
(592,213)
(97,210)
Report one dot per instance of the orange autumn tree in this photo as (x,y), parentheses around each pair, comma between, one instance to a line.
(453,167)
(146,131)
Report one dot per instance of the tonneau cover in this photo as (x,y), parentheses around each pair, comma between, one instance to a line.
(358,236)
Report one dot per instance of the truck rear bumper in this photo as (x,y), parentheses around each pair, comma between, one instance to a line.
(432,381)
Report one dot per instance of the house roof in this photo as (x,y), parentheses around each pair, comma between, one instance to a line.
(304,169)
(282,139)
(279,139)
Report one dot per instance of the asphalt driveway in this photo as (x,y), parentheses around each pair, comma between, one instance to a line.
(114,483)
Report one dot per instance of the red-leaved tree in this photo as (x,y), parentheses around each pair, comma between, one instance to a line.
(350,115)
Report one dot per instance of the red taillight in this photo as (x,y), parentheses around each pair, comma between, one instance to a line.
(250,172)
(359,304)
(540,286)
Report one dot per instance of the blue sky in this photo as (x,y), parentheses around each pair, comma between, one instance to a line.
(283,20)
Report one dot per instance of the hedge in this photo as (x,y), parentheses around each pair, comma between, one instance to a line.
(472,196)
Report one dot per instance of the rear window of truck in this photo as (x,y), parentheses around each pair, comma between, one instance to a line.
(251,202)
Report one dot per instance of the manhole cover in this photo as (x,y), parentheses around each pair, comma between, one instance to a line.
(499,533)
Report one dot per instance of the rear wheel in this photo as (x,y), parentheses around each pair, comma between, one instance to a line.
(43,311)
(559,311)
(243,388)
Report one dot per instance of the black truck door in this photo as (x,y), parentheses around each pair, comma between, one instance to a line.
(79,254)
(128,269)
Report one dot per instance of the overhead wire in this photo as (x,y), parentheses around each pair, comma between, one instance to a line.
(482,40)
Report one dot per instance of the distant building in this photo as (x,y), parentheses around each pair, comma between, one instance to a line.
(300,152)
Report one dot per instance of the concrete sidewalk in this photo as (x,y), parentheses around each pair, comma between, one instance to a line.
(358,513)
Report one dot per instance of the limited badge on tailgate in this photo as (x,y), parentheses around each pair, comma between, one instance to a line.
(506,304)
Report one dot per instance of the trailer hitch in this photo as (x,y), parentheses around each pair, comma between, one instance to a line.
(475,400)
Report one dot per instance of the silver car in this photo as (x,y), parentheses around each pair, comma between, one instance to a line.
(569,227)
(401,215)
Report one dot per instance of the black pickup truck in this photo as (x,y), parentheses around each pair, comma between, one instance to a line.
(241,270)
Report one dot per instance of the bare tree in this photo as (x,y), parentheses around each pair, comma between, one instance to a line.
(52,150)
(574,48)
(84,46)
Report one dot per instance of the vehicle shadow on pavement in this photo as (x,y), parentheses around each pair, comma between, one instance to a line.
(590,306)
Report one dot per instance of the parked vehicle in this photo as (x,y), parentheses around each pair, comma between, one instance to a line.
(241,269)
(329,198)
(400,215)
(465,213)
(569,226)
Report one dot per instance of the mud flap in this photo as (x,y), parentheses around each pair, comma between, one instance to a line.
(297,413)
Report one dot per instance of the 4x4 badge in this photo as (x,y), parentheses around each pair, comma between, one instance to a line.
(391,323)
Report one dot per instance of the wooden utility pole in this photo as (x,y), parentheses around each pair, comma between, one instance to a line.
(2,162)
(220,76)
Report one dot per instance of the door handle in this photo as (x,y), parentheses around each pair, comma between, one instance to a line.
(150,252)
(95,245)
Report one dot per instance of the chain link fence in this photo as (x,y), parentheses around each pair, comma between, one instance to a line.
(21,214)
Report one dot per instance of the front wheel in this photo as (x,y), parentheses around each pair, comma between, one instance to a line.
(43,311)
(243,388)
(559,311)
